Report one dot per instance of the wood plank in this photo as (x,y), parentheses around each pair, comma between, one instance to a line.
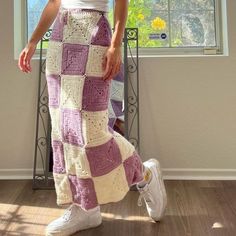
(195,207)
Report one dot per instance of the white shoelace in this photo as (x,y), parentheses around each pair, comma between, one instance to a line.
(144,195)
(67,213)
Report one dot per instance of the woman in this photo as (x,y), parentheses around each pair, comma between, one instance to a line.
(92,163)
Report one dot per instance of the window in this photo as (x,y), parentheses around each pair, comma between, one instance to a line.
(165,26)
(176,24)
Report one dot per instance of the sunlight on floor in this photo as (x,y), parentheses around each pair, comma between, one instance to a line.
(217,225)
(128,218)
(22,218)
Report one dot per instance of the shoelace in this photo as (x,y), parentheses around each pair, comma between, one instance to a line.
(144,195)
(67,212)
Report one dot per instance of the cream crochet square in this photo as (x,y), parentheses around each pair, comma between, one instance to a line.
(126,148)
(95,58)
(72,91)
(54,57)
(95,127)
(80,28)
(55,123)
(117,90)
(111,187)
(76,161)
(111,110)
(62,187)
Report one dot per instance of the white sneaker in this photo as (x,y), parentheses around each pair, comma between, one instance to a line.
(154,193)
(74,219)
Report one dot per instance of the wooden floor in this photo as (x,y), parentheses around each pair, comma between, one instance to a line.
(198,208)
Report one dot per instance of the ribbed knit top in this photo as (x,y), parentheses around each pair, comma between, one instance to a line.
(101,5)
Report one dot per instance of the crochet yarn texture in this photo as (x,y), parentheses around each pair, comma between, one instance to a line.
(92,163)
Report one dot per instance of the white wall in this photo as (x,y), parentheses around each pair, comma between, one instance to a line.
(187,106)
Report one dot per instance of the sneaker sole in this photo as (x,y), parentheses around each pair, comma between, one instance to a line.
(161,183)
(58,233)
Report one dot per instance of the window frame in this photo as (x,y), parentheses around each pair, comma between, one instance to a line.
(221,47)
(21,28)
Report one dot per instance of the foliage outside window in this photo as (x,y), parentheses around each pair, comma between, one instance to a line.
(161,23)
(174,23)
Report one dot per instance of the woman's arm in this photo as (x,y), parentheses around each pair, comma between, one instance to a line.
(47,17)
(113,56)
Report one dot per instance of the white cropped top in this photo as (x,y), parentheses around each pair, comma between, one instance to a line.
(101,5)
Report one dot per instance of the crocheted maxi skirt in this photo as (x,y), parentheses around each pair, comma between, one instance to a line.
(92,163)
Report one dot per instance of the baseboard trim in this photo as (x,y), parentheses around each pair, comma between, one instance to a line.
(168,173)
(199,174)
(17,173)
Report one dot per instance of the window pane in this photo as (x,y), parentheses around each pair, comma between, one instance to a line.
(192,4)
(34,8)
(192,22)
(193,29)
(151,17)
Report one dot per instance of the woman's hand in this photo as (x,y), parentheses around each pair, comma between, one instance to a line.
(25,57)
(112,62)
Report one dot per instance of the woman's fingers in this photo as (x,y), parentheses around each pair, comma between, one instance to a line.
(114,71)
(108,68)
(111,64)
(25,58)
(21,61)
(26,61)
(117,69)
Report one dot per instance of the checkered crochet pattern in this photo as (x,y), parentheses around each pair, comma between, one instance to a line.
(92,163)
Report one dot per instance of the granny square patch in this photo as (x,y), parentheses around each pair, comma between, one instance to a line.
(95,127)
(83,191)
(111,187)
(133,169)
(57,28)
(117,90)
(55,123)
(74,58)
(58,157)
(126,148)
(53,57)
(71,91)
(95,94)
(71,126)
(79,29)
(117,107)
(96,57)
(54,85)
(76,161)
(62,187)
(103,158)
(102,33)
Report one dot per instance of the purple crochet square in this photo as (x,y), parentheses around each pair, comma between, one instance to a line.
(102,33)
(74,59)
(57,29)
(95,94)
(83,192)
(71,126)
(117,107)
(111,122)
(120,75)
(133,169)
(110,129)
(58,157)
(53,84)
(103,158)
